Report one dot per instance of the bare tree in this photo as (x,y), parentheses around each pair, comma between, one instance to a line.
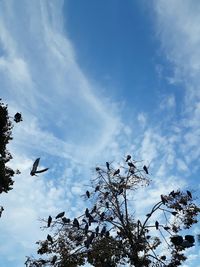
(108,234)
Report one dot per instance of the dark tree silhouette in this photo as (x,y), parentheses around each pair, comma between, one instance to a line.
(6,173)
(108,234)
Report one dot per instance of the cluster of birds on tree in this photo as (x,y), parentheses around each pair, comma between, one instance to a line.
(107,234)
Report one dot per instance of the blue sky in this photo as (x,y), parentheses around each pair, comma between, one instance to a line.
(96,80)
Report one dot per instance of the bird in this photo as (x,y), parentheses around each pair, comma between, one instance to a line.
(189,194)
(49,221)
(128,157)
(87,214)
(116,172)
(18,117)
(86,228)
(60,215)
(94,209)
(145,169)
(35,166)
(102,216)
(97,230)
(107,205)
(103,231)
(97,188)
(108,165)
(65,220)
(131,165)
(88,194)
(53,261)
(157,225)
(76,223)
(49,238)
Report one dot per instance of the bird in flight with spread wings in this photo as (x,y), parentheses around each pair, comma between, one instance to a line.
(35,166)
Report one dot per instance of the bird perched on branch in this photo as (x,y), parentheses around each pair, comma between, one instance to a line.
(116,172)
(145,169)
(60,215)
(128,157)
(49,221)
(35,166)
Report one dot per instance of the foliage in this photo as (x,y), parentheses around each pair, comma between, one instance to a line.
(6,173)
(108,234)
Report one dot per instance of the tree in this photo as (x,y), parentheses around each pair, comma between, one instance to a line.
(6,173)
(107,234)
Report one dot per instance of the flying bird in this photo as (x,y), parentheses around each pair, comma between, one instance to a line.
(35,166)
(145,169)
(60,215)
(128,158)
(49,221)
(116,172)
(18,117)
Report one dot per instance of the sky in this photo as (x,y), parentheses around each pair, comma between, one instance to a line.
(95,81)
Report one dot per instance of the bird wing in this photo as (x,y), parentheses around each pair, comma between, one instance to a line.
(35,165)
(44,170)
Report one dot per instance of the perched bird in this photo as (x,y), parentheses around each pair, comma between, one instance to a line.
(86,228)
(49,238)
(18,117)
(107,233)
(108,166)
(145,169)
(53,261)
(98,169)
(65,220)
(103,231)
(60,215)
(157,225)
(87,214)
(116,172)
(107,205)
(128,157)
(97,188)
(102,216)
(189,194)
(34,168)
(131,165)
(49,221)
(91,219)
(88,194)
(94,209)
(76,223)
(97,230)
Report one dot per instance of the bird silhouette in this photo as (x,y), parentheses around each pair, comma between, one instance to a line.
(97,230)
(103,231)
(49,238)
(189,194)
(49,221)
(18,117)
(116,172)
(76,223)
(88,194)
(65,220)
(131,165)
(108,166)
(145,169)
(128,157)
(60,215)
(157,225)
(86,228)
(87,214)
(35,166)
